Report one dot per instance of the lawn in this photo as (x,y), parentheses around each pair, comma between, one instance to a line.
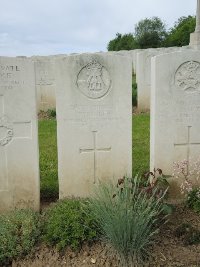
(48,160)
(141,143)
(48,153)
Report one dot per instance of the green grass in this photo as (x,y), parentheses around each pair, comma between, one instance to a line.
(141,143)
(48,153)
(48,160)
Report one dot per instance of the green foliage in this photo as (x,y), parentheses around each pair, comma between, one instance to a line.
(19,233)
(127,217)
(193,199)
(51,113)
(157,181)
(68,223)
(122,42)
(150,32)
(134,91)
(167,208)
(48,160)
(179,35)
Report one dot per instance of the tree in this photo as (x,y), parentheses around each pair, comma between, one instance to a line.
(179,35)
(150,33)
(122,42)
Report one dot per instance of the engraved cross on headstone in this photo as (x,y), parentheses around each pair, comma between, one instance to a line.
(44,79)
(9,131)
(95,150)
(188,144)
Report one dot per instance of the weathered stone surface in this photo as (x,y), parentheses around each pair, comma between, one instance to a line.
(143,74)
(19,160)
(175,110)
(94,121)
(46,98)
(134,58)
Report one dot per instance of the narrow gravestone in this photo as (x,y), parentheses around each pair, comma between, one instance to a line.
(45,86)
(94,121)
(19,161)
(143,74)
(175,111)
(134,58)
(143,77)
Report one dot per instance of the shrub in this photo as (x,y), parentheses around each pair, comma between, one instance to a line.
(156,183)
(19,233)
(128,218)
(190,174)
(193,199)
(68,223)
(51,113)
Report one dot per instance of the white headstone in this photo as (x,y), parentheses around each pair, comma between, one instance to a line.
(143,74)
(94,121)
(46,98)
(175,110)
(134,58)
(19,160)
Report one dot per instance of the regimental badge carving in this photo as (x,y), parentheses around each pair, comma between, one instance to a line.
(6,131)
(94,80)
(187,76)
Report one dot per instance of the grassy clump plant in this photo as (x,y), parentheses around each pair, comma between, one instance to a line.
(68,223)
(20,230)
(128,217)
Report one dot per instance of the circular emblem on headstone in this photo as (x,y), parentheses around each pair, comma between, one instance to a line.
(94,80)
(187,76)
(6,131)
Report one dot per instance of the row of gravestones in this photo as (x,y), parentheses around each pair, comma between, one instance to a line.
(94,129)
(45,78)
(93,100)
(141,66)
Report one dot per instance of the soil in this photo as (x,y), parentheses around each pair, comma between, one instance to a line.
(44,115)
(169,248)
(136,111)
